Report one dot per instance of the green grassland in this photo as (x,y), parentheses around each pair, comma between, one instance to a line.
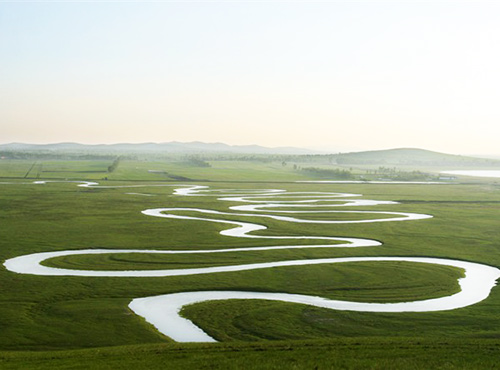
(168,170)
(84,322)
(425,167)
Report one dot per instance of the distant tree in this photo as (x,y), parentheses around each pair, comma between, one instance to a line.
(114,165)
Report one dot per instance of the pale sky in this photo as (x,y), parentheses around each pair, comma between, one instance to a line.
(343,75)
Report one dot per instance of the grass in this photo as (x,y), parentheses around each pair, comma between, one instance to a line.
(79,322)
(357,281)
(401,353)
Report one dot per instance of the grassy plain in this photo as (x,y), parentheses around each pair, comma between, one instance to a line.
(77,322)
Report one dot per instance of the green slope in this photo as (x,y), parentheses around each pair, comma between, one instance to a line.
(412,156)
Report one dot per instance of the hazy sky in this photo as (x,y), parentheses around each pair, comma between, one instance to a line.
(343,75)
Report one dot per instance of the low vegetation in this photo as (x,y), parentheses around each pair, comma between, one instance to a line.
(77,322)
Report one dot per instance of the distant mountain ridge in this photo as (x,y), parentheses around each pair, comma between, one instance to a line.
(168,147)
(388,157)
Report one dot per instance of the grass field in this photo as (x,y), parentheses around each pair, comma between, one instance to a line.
(84,322)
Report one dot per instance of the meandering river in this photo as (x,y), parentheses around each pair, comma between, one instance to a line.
(163,311)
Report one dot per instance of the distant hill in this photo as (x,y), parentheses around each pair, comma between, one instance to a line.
(160,148)
(411,156)
(390,157)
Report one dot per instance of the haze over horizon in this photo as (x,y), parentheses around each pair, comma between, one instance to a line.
(317,150)
(344,76)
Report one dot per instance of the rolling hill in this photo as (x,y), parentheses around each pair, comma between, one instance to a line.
(390,157)
(412,156)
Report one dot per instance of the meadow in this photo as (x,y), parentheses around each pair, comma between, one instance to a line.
(84,322)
